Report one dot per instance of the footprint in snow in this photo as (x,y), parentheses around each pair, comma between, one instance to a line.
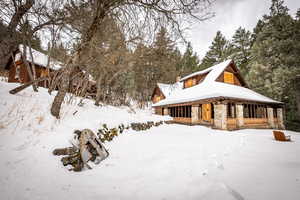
(219,165)
(204,173)
(22,147)
(233,192)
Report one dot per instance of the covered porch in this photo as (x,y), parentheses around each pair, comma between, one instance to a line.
(227,115)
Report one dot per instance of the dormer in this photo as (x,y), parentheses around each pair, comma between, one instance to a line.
(194,80)
(231,75)
(225,72)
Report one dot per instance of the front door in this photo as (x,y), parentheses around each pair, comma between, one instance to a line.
(206,112)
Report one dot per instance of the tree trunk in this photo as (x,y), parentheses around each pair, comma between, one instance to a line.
(9,42)
(98,94)
(7,46)
(297,86)
(83,48)
(32,63)
(24,57)
(60,96)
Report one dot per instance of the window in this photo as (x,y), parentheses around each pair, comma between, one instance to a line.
(231,110)
(228,77)
(190,82)
(254,111)
(181,111)
(275,112)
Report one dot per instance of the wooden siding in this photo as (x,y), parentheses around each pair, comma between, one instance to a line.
(236,79)
(231,123)
(24,76)
(192,81)
(253,121)
(157,95)
(182,120)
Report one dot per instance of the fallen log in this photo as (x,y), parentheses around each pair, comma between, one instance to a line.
(22,87)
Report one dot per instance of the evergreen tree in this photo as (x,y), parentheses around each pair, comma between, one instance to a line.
(275,56)
(162,58)
(190,61)
(219,51)
(241,44)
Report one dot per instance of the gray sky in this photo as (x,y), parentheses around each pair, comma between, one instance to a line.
(231,14)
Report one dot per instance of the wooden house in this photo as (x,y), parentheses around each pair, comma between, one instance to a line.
(217,97)
(17,67)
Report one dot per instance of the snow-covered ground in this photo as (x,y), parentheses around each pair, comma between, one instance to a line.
(165,162)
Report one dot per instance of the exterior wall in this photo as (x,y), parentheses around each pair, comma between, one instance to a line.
(194,80)
(158,111)
(280,118)
(270,117)
(240,115)
(24,77)
(195,114)
(4,72)
(165,111)
(157,95)
(237,81)
(220,116)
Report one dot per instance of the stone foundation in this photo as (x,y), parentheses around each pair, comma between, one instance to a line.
(165,111)
(195,114)
(240,115)
(280,118)
(270,117)
(220,116)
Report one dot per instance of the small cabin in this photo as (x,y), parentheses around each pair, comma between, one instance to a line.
(18,70)
(220,98)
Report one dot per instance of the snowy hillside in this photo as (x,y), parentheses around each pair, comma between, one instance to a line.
(165,162)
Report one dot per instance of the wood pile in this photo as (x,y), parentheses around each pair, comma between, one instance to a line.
(86,148)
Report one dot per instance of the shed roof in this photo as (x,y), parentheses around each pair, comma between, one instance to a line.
(39,58)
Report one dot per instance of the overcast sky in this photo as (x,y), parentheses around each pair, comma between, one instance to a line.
(229,15)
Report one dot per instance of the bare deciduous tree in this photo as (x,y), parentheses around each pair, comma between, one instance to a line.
(138,17)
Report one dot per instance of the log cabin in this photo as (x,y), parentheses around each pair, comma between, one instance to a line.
(217,97)
(17,70)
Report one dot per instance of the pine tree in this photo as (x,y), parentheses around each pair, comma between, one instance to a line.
(241,44)
(219,51)
(190,61)
(275,56)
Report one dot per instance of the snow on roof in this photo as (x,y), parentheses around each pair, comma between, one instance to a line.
(39,58)
(168,89)
(210,88)
(213,74)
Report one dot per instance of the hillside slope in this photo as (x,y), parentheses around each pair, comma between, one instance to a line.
(165,162)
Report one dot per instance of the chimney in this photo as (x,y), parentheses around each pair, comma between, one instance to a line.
(178,78)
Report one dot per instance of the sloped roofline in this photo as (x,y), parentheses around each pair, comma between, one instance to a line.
(157,86)
(210,88)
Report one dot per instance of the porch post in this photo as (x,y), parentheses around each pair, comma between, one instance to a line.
(220,116)
(270,117)
(195,114)
(240,115)
(166,111)
(280,118)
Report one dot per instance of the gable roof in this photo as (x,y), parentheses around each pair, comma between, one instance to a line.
(213,72)
(210,88)
(39,58)
(168,89)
